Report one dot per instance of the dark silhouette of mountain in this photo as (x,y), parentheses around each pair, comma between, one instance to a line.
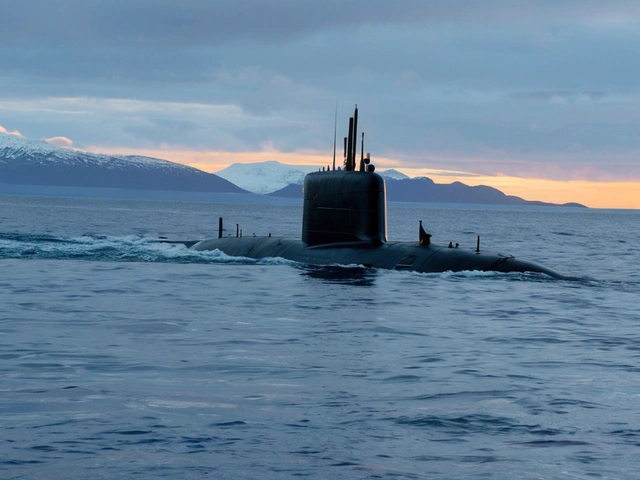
(26,162)
(290,191)
(424,189)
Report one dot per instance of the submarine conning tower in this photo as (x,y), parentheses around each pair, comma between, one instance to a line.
(345,206)
(342,206)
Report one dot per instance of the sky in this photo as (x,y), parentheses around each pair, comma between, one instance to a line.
(539,98)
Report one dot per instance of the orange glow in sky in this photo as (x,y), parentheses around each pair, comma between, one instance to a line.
(590,193)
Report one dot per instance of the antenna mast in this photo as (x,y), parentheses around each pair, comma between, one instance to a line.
(335,128)
(355,140)
(351,143)
(347,160)
(362,154)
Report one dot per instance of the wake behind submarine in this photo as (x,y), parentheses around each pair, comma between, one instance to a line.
(345,223)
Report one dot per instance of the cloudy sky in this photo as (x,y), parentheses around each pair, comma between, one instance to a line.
(540,98)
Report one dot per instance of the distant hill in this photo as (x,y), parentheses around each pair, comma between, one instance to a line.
(265,177)
(392,174)
(27,162)
(290,191)
(285,181)
(423,189)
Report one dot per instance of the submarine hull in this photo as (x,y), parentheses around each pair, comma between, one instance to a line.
(392,255)
(344,222)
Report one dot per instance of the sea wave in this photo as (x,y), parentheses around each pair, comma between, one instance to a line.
(129,248)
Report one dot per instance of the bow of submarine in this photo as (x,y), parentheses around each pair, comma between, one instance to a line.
(512,264)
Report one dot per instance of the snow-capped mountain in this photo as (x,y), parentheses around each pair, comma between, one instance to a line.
(265,177)
(30,162)
(392,174)
(272,176)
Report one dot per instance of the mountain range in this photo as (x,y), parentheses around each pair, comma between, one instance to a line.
(28,162)
(401,188)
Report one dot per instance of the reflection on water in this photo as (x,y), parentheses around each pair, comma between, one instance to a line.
(355,276)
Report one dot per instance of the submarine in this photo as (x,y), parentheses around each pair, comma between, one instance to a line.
(345,223)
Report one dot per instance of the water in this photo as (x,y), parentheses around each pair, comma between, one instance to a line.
(121,357)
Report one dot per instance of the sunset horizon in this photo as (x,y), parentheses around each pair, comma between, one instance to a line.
(593,194)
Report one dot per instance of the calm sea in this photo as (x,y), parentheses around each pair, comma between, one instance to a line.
(121,357)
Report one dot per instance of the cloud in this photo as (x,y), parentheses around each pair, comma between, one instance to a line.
(159,41)
(163,23)
(7,132)
(62,142)
(560,96)
(484,87)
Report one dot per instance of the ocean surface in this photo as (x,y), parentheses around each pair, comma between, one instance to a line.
(122,357)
